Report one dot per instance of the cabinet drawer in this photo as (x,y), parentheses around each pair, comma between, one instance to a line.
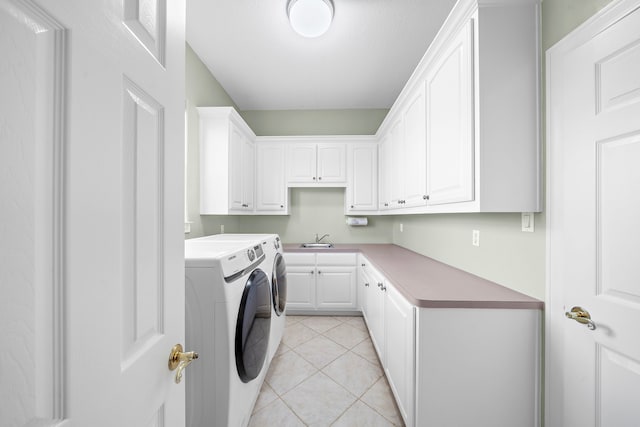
(337,259)
(300,259)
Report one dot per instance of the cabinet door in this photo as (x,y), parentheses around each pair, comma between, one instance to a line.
(336,288)
(375,309)
(384,173)
(301,163)
(248,173)
(400,350)
(362,190)
(271,187)
(450,141)
(397,151)
(236,164)
(415,159)
(364,286)
(332,163)
(301,287)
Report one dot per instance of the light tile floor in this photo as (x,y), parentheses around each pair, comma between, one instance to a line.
(325,373)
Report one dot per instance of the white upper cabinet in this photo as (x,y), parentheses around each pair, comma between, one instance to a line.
(227,167)
(301,161)
(403,158)
(397,154)
(248,167)
(312,163)
(464,133)
(384,172)
(449,124)
(271,185)
(362,170)
(332,167)
(414,163)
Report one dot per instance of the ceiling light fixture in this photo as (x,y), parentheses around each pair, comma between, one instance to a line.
(310,18)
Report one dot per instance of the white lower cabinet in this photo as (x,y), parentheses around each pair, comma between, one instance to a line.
(445,366)
(375,297)
(336,288)
(477,367)
(454,366)
(321,282)
(399,359)
(391,322)
(301,287)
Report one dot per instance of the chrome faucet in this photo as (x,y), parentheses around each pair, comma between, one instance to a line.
(318,240)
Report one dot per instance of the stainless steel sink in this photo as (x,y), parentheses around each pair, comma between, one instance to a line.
(317,245)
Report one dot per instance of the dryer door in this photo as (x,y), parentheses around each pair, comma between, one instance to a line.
(279,284)
(253,326)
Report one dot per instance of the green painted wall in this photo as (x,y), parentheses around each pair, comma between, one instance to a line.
(318,210)
(202,89)
(560,17)
(314,122)
(506,255)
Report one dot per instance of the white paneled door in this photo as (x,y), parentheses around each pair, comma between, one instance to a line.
(594,206)
(91,186)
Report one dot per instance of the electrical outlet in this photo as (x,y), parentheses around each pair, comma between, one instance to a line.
(475,238)
(221,228)
(401,227)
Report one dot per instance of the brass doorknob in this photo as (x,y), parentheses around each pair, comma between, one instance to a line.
(581,315)
(179,359)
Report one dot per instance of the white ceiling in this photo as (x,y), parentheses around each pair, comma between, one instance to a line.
(363,61)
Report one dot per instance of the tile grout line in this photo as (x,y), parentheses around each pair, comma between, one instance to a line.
(367,337)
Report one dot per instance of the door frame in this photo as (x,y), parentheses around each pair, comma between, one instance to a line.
(554,311)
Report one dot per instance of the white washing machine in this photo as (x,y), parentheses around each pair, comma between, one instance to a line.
(228,321)
(276,270)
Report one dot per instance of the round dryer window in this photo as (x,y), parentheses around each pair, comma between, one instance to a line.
(279,284)
(253,326)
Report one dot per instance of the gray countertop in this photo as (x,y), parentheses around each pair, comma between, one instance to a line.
(425,282)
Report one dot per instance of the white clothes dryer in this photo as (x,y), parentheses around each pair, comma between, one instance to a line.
(228,320)
(278,292)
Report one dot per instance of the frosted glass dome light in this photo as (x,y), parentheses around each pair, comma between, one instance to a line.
(310,18)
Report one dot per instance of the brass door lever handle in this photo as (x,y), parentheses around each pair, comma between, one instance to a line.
(581,315)
(179,359)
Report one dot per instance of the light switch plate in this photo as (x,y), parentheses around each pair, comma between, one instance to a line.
(475,238)
(528,222)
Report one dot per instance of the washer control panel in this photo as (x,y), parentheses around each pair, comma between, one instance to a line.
(257,252)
